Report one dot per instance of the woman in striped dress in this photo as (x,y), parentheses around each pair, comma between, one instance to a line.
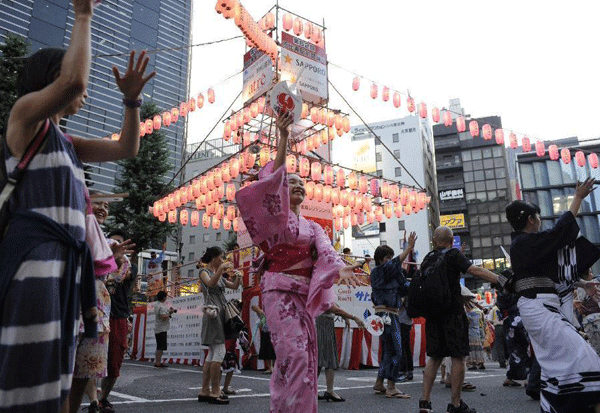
(46,276)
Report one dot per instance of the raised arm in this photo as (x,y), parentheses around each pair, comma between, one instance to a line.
(411,246)
(131,85)
(582,190)
(337,310)
(71,81)
(484,274)
(283,122)
(237,280)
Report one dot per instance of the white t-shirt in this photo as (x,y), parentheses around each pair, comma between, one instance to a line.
(161,325)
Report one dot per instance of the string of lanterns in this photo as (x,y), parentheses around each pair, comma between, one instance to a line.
(487,131)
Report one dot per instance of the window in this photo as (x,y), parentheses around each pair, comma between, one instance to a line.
(545,203)
(395,137)
(497,151)
(401,226)
(527,177)
(383,242)
(477,165)
(490,184)
(192,239)
(554,172)
(192,256)
(191,273)
(469,187)
(397,153)
(206,237)
(540,173)
(489,174)
(382,227)
(468,176)
(480,186)
(487,152)
(500,173)
(398,171)
(466,156)
(476,154)
(379,173)
(378,156)
(478,175)
(218,236)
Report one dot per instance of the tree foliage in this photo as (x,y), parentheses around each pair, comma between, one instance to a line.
(11,50)
(143,178)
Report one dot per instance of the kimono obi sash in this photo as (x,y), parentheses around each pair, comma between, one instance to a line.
(290,259)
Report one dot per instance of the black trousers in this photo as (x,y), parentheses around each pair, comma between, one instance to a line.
(406,363)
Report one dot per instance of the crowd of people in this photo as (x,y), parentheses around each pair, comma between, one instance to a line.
(545,325)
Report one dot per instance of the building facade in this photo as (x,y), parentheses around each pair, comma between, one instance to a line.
(117,28)
(551,185)
(410,141)
(473,190)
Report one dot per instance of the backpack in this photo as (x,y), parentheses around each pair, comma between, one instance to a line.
(429,291)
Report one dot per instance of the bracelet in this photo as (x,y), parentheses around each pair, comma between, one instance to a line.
(132,103)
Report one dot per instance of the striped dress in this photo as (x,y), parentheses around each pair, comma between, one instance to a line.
(36,359)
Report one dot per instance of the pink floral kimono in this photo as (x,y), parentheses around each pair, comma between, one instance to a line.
(295,289)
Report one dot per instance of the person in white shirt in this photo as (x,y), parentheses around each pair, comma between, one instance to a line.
(162,312)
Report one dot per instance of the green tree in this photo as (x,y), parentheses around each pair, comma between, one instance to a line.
(143,178)
(13,48)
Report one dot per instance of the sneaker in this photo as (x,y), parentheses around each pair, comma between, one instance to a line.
(106,406)
(425,406)
(463,408)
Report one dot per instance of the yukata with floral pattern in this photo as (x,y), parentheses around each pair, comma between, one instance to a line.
(295,288)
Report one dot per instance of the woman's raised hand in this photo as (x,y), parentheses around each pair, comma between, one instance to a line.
(584,188)
(83,7)
(283,122)
(348,277)
(119,250)
(133,81)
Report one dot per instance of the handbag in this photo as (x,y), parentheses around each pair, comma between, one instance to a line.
(209,310)
(9,182)
(233,321)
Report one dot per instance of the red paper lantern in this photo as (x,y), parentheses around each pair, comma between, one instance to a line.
(408,210)
(553,152)
(397,100)
(448,119)
(330,118)
(345,124)
(318,192)
(385,190)
(379,214)
(499,136)
(435,115)
(410,104)
(340,178)
(230,212)
(352,180)
(195,218)
(310,189)
(540,149)
(183,109)
(270,21)
(200,202)
(290,164)
(200,102)
(184,217)
(593,160)
(234,167)
(526,144)
(288,22)
(298,26)
(512,138)
(148,126)
(324,136)
(174,115)
(211,95)
(565,155)
(373,91)
(327,193)
(314,114)
(315,171)
(460,124)
(192,105)
(335,196)
(359,202)
(328,175)
(230,192)
(487,132)
(157,122)
(351,199)
(346,222)
(308,30)
(422,110)
(385,94)
(580,158)
(363,184)
(344,198)
(389,210)
(304,167)
(474,128)
(398,209)
(173,217)
(226,224)
(216,223)
(355,83)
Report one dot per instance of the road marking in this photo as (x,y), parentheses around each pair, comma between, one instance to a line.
(193,371)
(129,397)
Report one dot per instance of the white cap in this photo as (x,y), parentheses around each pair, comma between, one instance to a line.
(465,292)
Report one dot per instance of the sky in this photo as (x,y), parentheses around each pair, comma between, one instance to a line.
(534,63)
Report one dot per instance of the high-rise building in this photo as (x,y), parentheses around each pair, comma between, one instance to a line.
(473,189)
(117,28)
(410,145)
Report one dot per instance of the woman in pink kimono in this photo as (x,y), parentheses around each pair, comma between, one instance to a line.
(300,268)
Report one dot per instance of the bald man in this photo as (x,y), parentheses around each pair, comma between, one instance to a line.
(448,336)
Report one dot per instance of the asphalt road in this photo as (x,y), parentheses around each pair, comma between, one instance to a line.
(142,387)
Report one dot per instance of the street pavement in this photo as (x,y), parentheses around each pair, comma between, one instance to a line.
(145,388)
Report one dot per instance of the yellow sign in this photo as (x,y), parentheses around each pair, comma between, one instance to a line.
(453,221)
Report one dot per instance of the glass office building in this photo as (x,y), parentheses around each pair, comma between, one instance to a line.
(551,185)
(118,27)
